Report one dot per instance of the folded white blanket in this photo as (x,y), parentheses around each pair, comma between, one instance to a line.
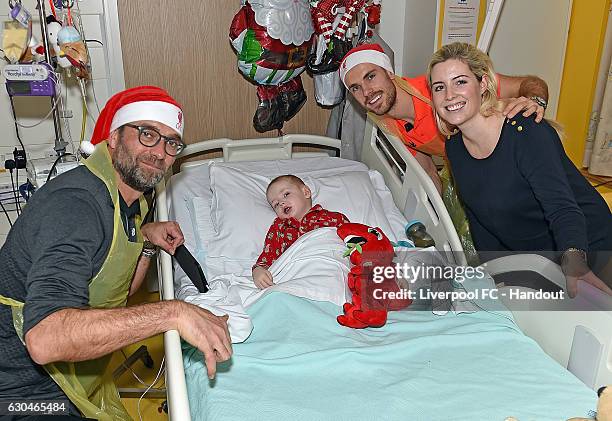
(312,268)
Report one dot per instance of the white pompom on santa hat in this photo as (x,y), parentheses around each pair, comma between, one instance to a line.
(135,104)
(364,53)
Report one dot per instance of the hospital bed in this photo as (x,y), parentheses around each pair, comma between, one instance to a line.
(500,371)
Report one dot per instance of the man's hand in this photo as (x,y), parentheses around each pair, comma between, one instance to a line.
(262,277)
(513,106)
(590,278)
(167,235)
(207,332)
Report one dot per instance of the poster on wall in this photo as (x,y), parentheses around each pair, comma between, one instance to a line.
(460,21)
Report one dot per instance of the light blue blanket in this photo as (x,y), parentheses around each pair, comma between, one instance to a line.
(300,364)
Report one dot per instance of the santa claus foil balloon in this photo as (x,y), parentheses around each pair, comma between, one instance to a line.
(272,39)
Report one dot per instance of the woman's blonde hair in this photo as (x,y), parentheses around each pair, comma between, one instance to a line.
(480,64)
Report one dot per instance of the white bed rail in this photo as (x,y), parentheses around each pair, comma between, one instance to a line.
(176,388)
(413,191)
(527,262)
(261,149)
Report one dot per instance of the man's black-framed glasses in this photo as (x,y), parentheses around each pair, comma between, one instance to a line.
(150,137)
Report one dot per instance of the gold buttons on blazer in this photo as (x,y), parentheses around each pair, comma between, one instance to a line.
(513,122)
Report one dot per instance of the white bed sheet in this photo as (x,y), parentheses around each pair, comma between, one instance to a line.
(193,183)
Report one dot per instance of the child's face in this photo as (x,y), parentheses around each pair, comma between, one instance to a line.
(289,200)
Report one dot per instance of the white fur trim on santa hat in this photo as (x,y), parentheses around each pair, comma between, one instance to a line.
(364,56)
(160,111)
(87,147)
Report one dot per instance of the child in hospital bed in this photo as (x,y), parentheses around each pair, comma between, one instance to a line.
(291,200)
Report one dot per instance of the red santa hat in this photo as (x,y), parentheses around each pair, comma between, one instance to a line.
(135,104)
(364,53)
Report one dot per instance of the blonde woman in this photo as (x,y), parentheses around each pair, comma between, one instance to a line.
(520,190)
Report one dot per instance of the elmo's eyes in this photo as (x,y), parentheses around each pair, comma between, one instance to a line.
(377,233)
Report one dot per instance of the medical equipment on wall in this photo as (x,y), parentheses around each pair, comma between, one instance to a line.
(20,13)
(29,79)
(25,81)
(14,41)
(41,69)
(41,170)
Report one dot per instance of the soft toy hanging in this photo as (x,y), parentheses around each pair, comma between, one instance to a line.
(369,248)
(337,40)
(324,14)
(333,20)
(373,13)
(68,45)
(272,39)
(72,46)
(53,30)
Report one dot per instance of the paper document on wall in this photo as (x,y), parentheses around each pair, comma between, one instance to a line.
(460,21)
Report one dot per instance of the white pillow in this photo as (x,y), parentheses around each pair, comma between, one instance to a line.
(241,215)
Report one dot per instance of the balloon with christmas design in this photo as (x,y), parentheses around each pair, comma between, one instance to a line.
(272,39)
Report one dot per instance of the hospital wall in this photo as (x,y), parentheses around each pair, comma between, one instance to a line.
(186,50)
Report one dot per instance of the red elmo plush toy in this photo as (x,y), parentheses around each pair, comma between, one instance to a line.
(369,249)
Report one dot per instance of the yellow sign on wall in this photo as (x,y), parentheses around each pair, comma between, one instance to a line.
(482,13)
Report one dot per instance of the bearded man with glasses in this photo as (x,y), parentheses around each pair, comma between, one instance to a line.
(76,253)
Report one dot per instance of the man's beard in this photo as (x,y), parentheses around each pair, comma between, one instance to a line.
(388,96)
(131,173)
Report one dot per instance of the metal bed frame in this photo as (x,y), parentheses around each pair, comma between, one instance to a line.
(559,333)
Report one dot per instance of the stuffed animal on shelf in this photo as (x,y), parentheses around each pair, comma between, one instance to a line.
(368,249)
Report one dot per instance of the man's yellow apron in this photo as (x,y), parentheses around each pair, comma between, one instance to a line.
(87,384)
